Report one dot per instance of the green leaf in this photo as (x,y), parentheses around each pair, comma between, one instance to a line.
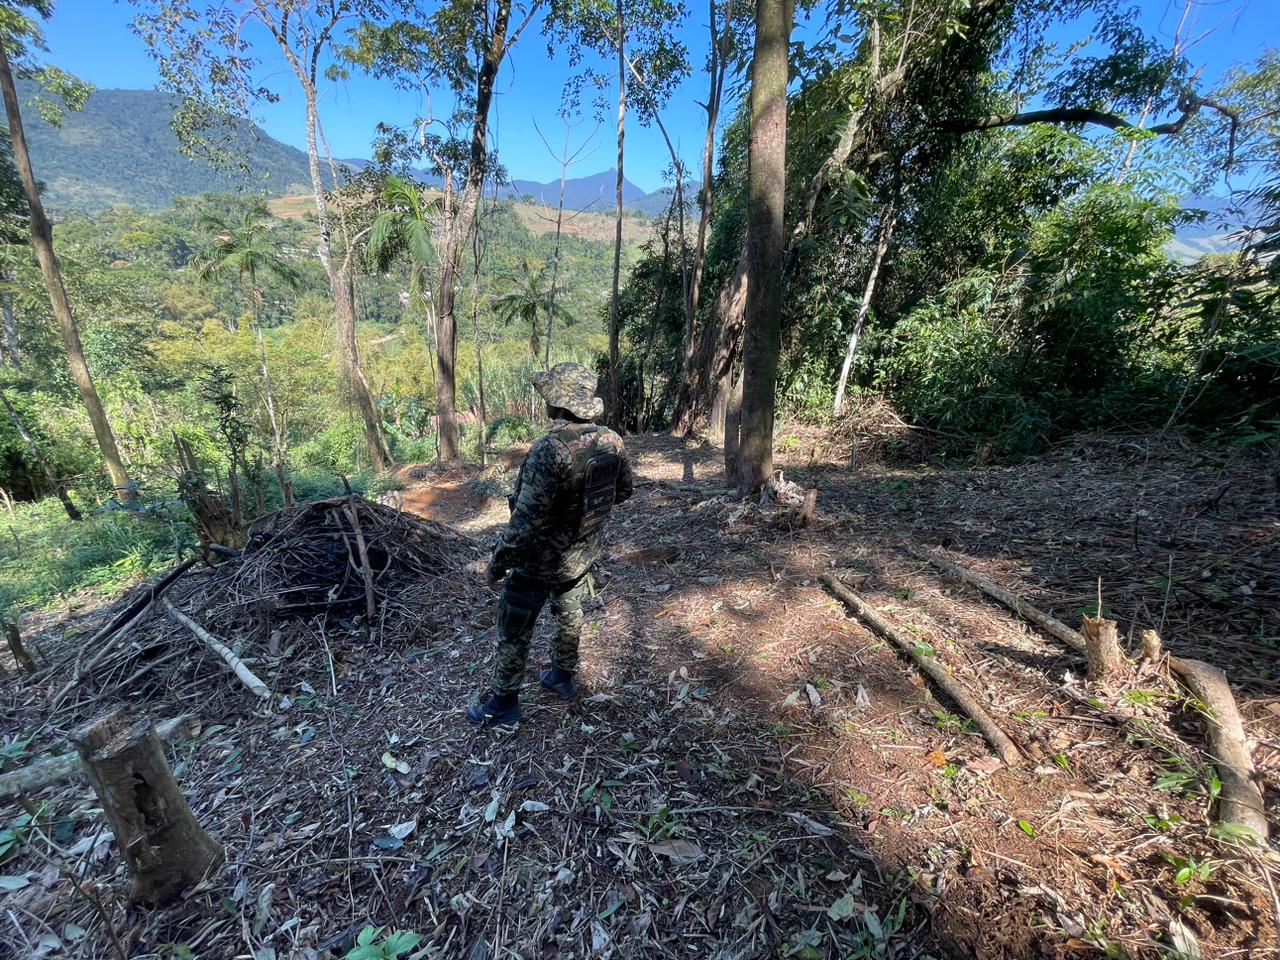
(1026,828)
(12,883)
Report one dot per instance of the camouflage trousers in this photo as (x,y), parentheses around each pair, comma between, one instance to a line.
(522,600)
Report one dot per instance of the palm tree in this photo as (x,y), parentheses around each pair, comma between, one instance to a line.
(407,228)
(530,295)
(247,249)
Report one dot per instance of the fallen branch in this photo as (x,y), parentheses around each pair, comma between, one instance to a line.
(1050,625)
(243,673)
(1240,800)
(114,633)
(47,770)
(931,666)
(370,601)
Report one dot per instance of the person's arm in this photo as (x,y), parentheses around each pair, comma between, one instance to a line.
(626,478)
(542,478)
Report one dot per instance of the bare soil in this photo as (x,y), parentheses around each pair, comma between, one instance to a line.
(750,772)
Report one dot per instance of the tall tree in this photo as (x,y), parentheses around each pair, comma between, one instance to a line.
(766,241)
(638,37)
(19,35)
(463,44)
(205,59)
(247,250)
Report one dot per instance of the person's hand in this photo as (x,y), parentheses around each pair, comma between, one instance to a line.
(494,575)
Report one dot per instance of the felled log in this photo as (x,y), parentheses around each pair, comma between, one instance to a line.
(931,667)
(164,847)
(1050,625)
(40,773)
(1104,660)
(238,667)
(1240,800)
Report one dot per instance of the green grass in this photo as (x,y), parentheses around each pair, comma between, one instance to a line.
(45,557)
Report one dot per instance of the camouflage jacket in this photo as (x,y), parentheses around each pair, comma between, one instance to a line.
(543,539)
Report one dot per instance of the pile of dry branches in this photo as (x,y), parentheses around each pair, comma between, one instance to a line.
(389,575)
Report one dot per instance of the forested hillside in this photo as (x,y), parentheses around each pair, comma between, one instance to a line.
(121,149)
(902,476)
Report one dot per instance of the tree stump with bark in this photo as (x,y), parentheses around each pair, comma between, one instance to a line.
(1103,655)
(164,847)
(20,655)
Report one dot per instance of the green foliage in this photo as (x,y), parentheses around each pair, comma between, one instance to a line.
(44,557)
(373,943)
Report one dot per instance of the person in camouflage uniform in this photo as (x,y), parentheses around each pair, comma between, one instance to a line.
(567,485)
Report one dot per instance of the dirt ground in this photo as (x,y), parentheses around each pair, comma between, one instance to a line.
(750,773)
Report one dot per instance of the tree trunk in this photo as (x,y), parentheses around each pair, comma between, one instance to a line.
(615,400)
(885,232)
(718,348)
(715,92)
(13,635)
(555,256)
(339,286)
(164,847)
(42,245)
(766,241)
(732,429)
(279,444)
(10,347)
(59,488)
(459,229)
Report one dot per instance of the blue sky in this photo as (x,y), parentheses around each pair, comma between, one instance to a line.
(92,39)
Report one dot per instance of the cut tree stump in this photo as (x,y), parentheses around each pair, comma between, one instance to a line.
(1104,660)
(164,847)
(1240,800)
(809,509)
(20,655)
(931,667)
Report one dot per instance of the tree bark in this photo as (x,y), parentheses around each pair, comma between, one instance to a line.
(1103,657)
(10,346)
(164,847)
(885,234)
(731,429)
(42,245)
(59,488)
(766,240)
(718,347)
(615,398)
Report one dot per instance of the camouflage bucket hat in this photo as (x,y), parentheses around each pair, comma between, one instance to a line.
(571,386)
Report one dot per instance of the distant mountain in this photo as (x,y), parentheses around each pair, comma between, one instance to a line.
(120,150)
(1215,226)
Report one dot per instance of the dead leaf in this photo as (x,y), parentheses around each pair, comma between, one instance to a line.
(402,830)
(678,851)
(815,698)
(983,764)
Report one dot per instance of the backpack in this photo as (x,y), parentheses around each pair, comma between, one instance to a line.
(594,480)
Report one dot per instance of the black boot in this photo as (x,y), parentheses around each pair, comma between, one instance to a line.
(496,708)
(560,682)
